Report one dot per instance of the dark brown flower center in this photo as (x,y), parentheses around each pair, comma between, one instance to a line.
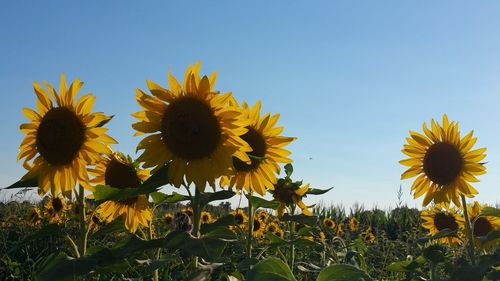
(445,220)
(258,145)
(482,227)
(238,218)
(169,219)
(442,163)
(329,223)
(205,218)
(256,225)
(60,136)
(190,129)
(271,228)
(121,175)
(57,204)
(283,193)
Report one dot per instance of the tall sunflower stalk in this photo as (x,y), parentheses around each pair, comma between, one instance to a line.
(250,226)
(468,230)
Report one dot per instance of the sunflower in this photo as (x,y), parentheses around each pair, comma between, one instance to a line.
(436,219)
(482,225)
(240,218)
(193,127)
(116,171)
(263,215)
(188,211)
(340,230)
(65,138)
(280,233)
(288,193)
(444,163)
(368,235)
(271,227)
(55,209)
(95,222)
(329,223)
(322,236)
(34,216)
(267,144)
(206,217)
(353,224)
(258,227)
(169,219)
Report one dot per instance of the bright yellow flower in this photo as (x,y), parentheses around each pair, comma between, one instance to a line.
(55,209)
(436,219)
(240,218)
(115,171)
(482,225)
(258,227)
(34,216)
(169,219)
(267,153)
(263,215)
(353,224)
(193,127)
(329,223)
(206,217)
(444,163)
(65,137)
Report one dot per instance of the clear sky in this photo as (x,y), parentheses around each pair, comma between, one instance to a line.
(349,78)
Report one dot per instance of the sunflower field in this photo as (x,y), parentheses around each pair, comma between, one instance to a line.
(165,215)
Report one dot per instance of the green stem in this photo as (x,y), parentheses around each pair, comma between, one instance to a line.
(196,220)
(433,272)
(468,229)
(83,226)
(292,237)
(73,246)
(250,226)
(157,253)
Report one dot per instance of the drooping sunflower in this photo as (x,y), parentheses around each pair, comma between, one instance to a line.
(193,127)
(290,193)
(206,217)
(258,227)
(55,209)
(353,224)
(240,218)
(116,171)
(444,163)
(267,153)
(482,225)
(329,223)
(436,219)
(62,138)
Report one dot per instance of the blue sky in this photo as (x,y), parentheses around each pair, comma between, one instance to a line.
(349,78)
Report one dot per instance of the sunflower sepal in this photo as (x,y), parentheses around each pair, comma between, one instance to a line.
(317,191)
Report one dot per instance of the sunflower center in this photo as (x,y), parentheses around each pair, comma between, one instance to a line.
(258,145)
(60,136)
(256,225)
(121,175)
(442,163)
(190,129)
(238,218)
(271,228)
(482,227)
(57,204)
(283,193)
(443,220)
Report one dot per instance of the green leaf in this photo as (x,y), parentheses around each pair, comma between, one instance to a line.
(301,242)
(48,230)
(317,191)
(434,253)
(404,266)
(342,272)
(113,227)
(270,269)
(443,233)
(305,231)
(27,183)
(275,240)
(258,202)
(303,219)
(207,197)
(60,266)
(492,235)
(490,211)
(152,184)
(160,197)
(222,233)
(221,222)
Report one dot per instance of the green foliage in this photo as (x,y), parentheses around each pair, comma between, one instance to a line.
(270,269)
(342,272)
